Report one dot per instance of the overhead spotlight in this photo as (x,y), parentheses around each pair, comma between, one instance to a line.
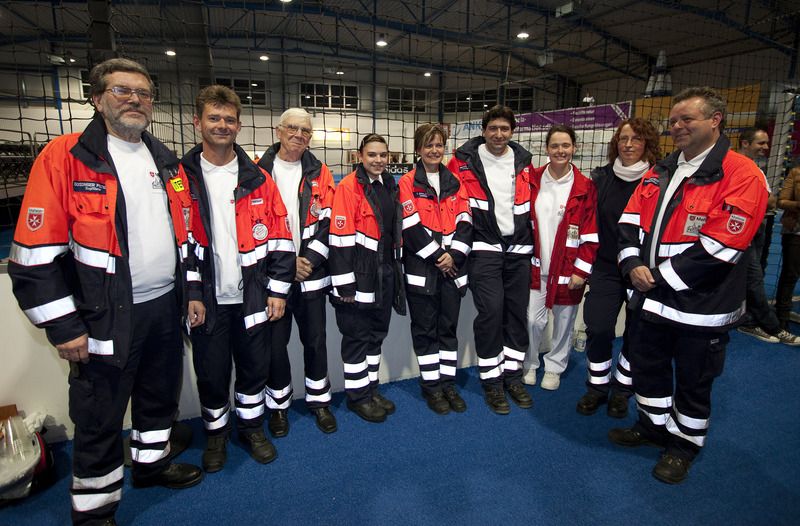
(523,32)
(254,84)
(170,53)
(339,72)
(427,74)
(263,58)
(286,1)
(381,42)
(71,60)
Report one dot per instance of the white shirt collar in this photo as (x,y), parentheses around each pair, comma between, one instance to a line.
(208,167)
(696,161)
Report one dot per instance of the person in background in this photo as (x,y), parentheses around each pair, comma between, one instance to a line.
(760,320)
(365,240)
(632,151)
(789,202)
(306,187)
(437,232)
(563,207)
(95,263)
(495,172)
(682,236)
(247,266)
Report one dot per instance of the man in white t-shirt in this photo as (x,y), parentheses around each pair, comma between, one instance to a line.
(94,263)
(246,268)
(306,187)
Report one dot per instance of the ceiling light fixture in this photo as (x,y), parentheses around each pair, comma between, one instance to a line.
(170,53)
(381,42)
(427,73)
(339,72)
(263,58)
(523,32)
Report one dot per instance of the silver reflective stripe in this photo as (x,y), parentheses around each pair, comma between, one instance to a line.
(447,370)
(464,216)
(353,368)
(667,251)
(325,213)
(367,242)
(316,384)
(310,230)
(429,375)
(279,393)
(625,253)
(572,243)
(343,279)
(523,208)
(720,251)
(51,311)
(428,359)
(281,245)
(251,258)
(342,241)
(192,275)
(601,366)
(691,318)
(280,287)
(249,399)
(357,383)
(249,413)
(89,502)
(365,297)
(630,219)
(671,277)
(461,281)
(583,266)
(200,252)
(513,354)
(520,249)
(151,437)
(564,280)
(324,397)
(663,402)
(315,284)
(491,373)
(461,247)
(254,319)
(35,256)
(478,203)
(98,482)
(148,456)
(101,347)
(411,220)
(428,249)
(94,258)
(319,247)
(417,281)
(486,247)
(590,238)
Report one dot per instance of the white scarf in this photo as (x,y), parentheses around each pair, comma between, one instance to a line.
(630,173)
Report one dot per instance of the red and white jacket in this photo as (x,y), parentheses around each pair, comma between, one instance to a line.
(707,225)
(266,250)
(432,225)
(575,244)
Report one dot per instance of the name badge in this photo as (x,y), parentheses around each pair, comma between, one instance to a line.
(693,225)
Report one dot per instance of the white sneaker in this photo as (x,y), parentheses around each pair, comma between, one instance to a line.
(759,333)
(530,377)
(551,381)
(787,338)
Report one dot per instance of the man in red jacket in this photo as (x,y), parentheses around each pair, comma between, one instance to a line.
(682,236)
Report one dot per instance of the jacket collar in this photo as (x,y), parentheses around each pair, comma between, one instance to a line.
(363,178)
(708,172)
(448,184)
(250,177)
(469,151)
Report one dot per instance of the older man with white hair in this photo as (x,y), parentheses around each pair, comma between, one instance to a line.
(306,186)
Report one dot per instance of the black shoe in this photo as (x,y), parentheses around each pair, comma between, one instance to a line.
(457,403)
(326,422)
(369,410)
(386,404)
(629,437)
(261,449)
(590,402)
(278,424)
(437,402)
(495,398)
(175,476)
(520,396)
(216,453)
(671,469)
(617,406)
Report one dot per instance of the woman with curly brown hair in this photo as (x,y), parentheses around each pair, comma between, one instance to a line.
(632,151)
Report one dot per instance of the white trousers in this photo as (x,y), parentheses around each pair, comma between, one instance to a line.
(556,359)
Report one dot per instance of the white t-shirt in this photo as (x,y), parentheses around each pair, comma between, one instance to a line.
(684,170)
(287,176)
(220,182)
(434,181)
(151,240)
(550,205)
(501,178)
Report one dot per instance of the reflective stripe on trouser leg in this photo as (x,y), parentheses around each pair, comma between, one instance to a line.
(250,408)
(311,320)
(424,312)
(280,398)
(318,392)
(96,496)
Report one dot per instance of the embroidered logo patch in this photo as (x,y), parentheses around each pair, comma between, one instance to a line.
(35,218)
(340,222)
(408,206)
(693,225)
(572,232)
(314,208)
(260,231)
(651,180)
(90,187)
(736,223)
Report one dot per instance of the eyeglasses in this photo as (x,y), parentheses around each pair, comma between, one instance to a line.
(294,130)
(121,92)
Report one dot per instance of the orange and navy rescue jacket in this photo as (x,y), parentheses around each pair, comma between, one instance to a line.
(356,244)
(433,225)
(707,225)
(486,238)
(69,259)
(266,250)
(316,199)
(575,244)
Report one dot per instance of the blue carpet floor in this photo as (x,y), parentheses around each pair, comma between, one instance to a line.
(547,465)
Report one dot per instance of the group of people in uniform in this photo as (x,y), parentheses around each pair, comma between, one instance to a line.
(119,244)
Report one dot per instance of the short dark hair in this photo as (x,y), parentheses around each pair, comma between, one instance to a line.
(561,128)
(372,137)
(499,112)
(712,101)
(218,96)
(643,128)
(97,76)
(749,134)
(425,134)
